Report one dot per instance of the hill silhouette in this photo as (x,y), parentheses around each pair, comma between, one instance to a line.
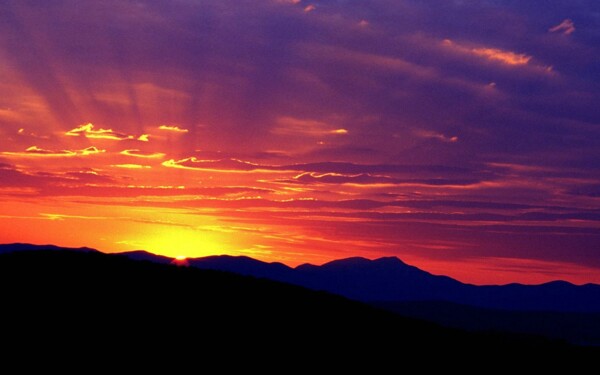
(391,280)
(387,280)
(87,297)
(391,284)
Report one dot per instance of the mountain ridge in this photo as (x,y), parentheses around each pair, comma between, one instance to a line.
(144,304)
(391,284)
(389,279)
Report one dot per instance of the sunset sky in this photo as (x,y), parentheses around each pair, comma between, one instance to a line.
(460,136)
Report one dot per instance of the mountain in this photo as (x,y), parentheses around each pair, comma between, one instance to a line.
(9,248)
(391,280)
(108,305)
(557,309)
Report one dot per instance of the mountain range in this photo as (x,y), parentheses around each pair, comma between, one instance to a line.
(386,280)
(72,305)
(391,280)
(556,309)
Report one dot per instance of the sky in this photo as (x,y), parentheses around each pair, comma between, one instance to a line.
(460,136)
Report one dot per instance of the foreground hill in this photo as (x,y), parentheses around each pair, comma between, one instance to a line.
(87,298)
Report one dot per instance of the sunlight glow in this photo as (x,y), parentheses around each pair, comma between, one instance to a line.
(182,243)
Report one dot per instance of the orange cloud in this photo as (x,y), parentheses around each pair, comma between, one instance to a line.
(35,151)
(88,131)
(494,54)
(175,129)
(566,27)
(506,57)
(138,154)
(296,126)
(225,165)
(131,166)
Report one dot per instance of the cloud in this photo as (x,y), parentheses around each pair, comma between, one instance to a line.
(309,8)
(175,129)
(335,178)
(60,217)
(433,135)
(566,27)
(88,131)
(35,151)
(309,178)
(379,62)
(293,2)
(12,176)
(139,154)
(324,171)
(87,176)
(493,54)
(506,57)
(222,165)
(311,128)
(131,166)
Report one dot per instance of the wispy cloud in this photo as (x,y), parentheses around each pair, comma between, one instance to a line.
(566,27)
(493,54)
(422,133)
(35,151)
(88,131)
(306,127)
(309,8)
(222,165)
(139,154)
(379,62)
(131,166)
(61,217)
(173,128)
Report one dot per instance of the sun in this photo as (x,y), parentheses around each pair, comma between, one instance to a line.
(181,261)
(182,243)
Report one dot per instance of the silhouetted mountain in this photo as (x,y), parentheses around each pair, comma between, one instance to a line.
(146,256)
(383,279)
(389,279)
(556,309)
(9,248)
(93,300)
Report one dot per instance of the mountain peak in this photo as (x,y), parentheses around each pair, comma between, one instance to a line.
(390,260)
(8,248)
(352,261)
(361,262)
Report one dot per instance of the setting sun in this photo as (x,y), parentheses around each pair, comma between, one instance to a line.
(182,243)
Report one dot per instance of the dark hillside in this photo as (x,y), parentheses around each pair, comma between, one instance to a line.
(88,298)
